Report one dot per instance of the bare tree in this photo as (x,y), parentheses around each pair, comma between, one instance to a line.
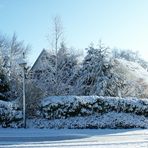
(11,49)
(57,39)
(4,45)
(17,49)
(58,32)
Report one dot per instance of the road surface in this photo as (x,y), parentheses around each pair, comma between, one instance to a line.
(66,138)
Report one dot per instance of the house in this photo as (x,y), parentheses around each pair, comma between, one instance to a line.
(45,61)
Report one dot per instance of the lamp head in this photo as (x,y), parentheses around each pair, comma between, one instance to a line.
(22,62)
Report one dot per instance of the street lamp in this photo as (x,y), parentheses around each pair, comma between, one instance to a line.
(23,64)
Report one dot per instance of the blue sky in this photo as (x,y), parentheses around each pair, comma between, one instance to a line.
(118,23)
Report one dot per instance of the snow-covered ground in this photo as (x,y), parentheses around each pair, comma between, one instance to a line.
(70,138)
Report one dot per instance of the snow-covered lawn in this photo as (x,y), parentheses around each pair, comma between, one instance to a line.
(74,138)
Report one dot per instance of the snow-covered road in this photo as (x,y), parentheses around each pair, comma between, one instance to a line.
(67,138)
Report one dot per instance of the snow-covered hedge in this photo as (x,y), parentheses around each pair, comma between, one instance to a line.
(107,120)
(9,113)
(71,106)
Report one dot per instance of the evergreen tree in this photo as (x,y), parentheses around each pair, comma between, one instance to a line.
(93,75)
(4,85)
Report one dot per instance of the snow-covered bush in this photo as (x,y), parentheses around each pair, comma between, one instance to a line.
(72,106)
(107,120)
(9,113)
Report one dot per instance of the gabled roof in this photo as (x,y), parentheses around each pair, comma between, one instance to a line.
(39,57)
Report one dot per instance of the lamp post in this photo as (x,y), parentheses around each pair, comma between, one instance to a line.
(23,64)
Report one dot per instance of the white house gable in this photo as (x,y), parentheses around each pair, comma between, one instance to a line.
(44,62)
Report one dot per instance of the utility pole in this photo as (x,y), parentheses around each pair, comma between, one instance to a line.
(23,64)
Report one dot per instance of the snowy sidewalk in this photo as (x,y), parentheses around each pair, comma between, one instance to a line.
(68,138)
